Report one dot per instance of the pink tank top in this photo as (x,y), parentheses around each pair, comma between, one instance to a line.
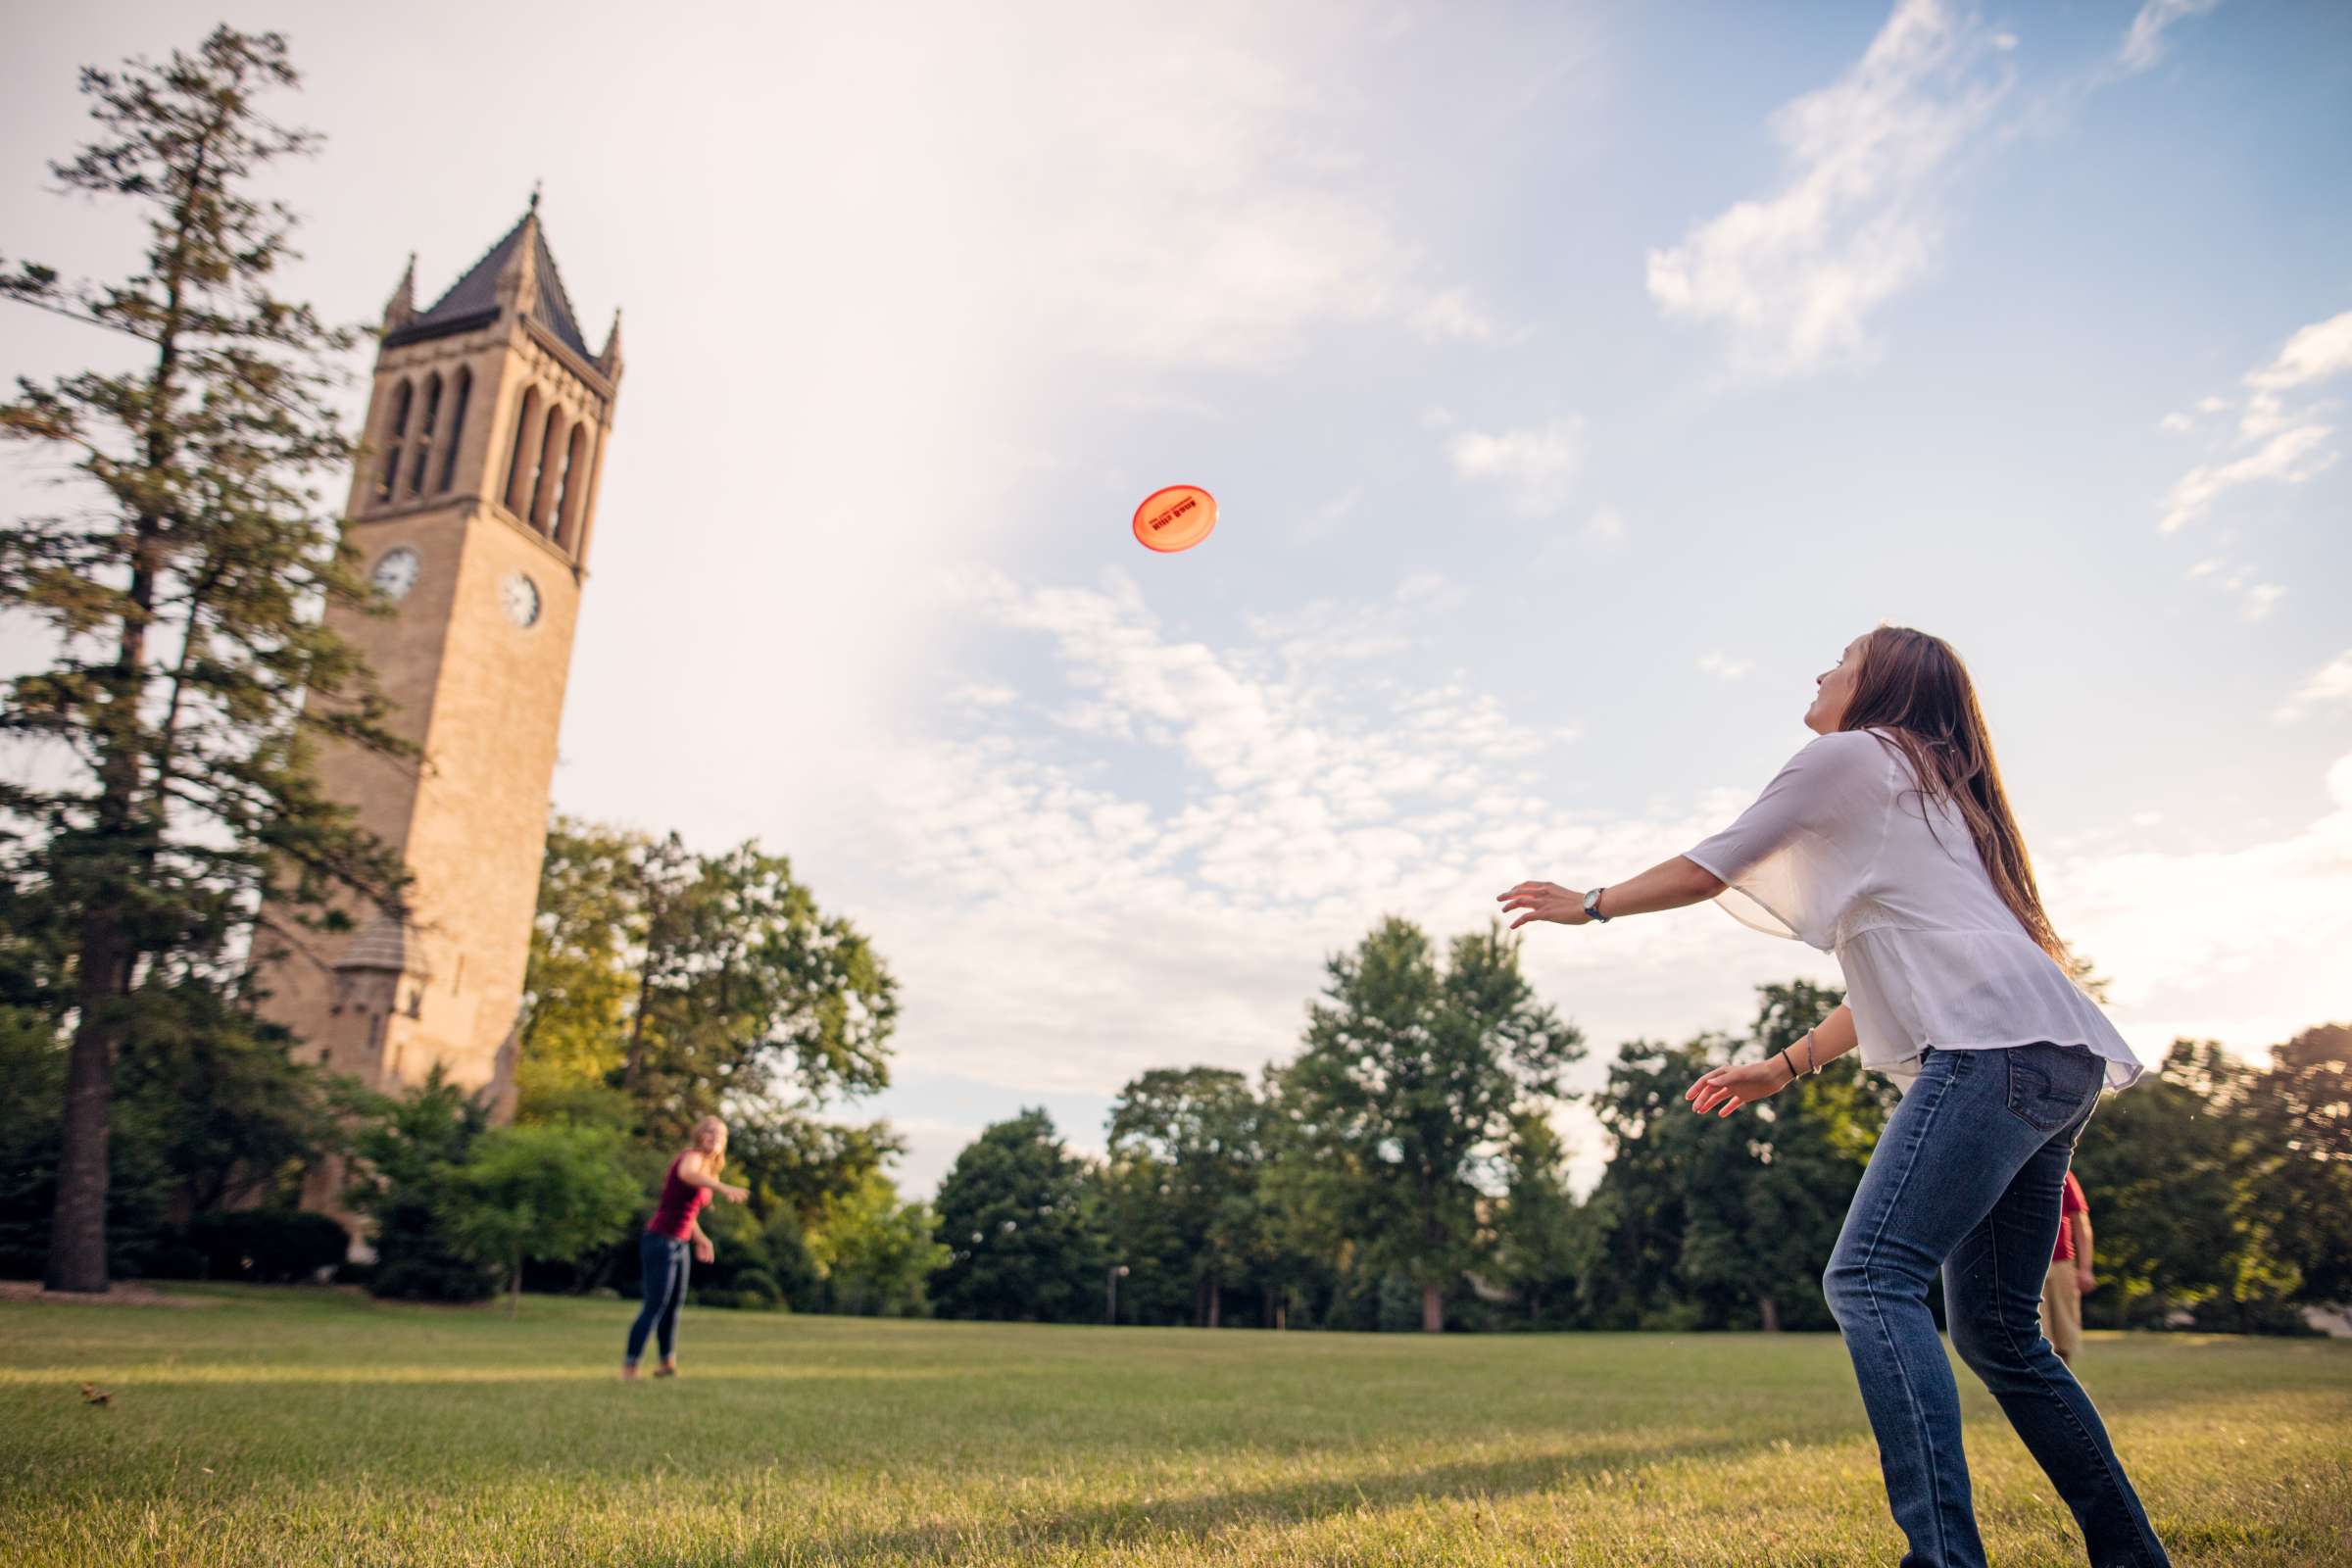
(681,1201)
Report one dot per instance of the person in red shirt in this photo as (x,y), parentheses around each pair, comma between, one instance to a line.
(676,1225)
(2070,1278)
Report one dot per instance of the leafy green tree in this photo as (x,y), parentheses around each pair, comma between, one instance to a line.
(876,1251)
(406,1147)
(1011,1218)
(1401,1098)
(180,588)
(698,984)
(546,1193)
(1536,1227)
(2302,1109)
(749,996)
(1629,1267)
(585,939)
(1188,1141)
(1770,1187)
(2159,1165)
(237,1119)
(1128,1204)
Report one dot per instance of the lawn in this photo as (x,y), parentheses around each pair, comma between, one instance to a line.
(302,1427)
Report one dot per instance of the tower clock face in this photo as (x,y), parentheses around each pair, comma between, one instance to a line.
(520,597)
(396,573)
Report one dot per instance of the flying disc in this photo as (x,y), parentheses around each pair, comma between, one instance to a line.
(1175,519)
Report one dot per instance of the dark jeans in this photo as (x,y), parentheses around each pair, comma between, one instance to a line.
(665,1263)
(1967,1177)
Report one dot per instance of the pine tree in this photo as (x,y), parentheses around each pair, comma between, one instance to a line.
(181,584)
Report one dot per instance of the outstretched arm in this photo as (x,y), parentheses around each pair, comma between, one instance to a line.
(1725,1089)
(1668,884)
(695,1171)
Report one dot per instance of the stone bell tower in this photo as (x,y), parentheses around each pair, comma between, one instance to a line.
(472,509)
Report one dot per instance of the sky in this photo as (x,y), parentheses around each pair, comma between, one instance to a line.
(1575,381)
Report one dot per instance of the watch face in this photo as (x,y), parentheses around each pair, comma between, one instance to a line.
(396,573)
(520,596)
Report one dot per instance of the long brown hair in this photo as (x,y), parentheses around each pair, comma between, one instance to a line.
(1914,687)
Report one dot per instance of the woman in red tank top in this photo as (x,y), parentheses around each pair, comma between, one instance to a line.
(676,1226)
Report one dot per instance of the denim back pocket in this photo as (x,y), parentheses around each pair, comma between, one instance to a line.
(2049,1085)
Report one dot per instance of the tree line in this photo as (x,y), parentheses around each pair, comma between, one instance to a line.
(1403,1171)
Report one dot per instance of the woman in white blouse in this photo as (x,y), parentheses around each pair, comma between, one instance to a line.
(1889,841)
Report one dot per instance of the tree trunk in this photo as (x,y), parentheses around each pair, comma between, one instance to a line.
(1772,1314)
(1433,1308)
(1215,1300)
(514,1295)
(77,1224)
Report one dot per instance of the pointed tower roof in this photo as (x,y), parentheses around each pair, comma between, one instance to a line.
(473,300)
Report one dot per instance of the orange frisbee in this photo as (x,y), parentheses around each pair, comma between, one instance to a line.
(1175,519)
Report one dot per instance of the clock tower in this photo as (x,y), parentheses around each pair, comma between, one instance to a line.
(472,509)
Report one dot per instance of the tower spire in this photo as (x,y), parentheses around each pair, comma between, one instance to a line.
(609,361)
(519,279)
(401,308)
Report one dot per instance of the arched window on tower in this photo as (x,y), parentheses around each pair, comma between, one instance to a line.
(575,488)
(401,396)
(424,434)
(550,449)
(461,393)
(522,464)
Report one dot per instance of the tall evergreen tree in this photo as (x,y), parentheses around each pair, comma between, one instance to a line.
(181,586)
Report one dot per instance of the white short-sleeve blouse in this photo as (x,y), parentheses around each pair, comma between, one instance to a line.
(1843,852)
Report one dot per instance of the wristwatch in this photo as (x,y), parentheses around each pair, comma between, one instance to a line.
(1592,906)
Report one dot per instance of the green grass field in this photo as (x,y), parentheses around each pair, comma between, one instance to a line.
(318,1426)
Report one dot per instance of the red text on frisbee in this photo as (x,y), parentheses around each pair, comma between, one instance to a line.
(1175,519)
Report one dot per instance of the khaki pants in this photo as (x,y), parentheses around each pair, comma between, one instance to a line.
(2062,1309)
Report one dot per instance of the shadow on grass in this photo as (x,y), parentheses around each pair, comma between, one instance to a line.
(1151,1521)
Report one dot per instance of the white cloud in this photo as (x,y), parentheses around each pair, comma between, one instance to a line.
(2175,422)
(2289,456)
(1534,465)
(1452,316)
(1324,521)
(1606,528)
(2258,598)
(1725,667)
(1795,275)
(2293,440)
(2316,353)
(2143,40)
(2330,685)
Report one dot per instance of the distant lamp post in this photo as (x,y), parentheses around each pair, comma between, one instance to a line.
(1111,1292)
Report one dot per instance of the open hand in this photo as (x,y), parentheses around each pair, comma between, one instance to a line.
(704,1251)
(1545,901)
(733,1194)
(1732,1087)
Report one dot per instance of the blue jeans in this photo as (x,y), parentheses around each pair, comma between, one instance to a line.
(1967,1177)
(663,1262)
